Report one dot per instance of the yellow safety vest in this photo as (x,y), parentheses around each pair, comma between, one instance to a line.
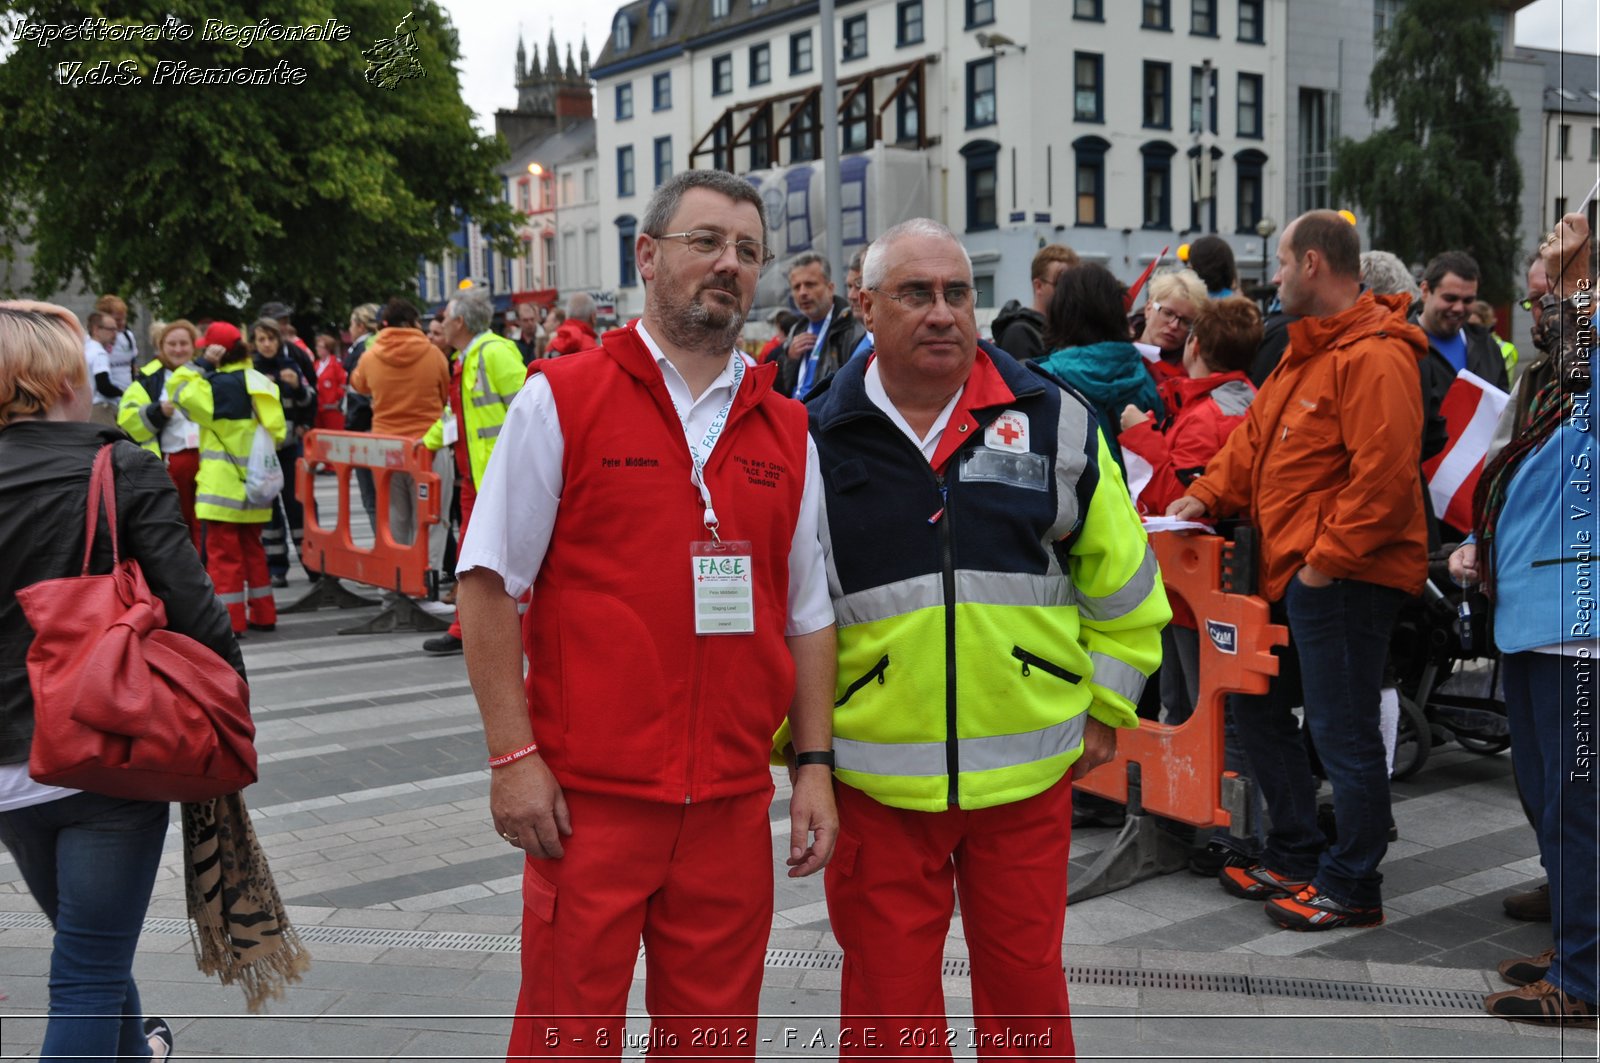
(227,404)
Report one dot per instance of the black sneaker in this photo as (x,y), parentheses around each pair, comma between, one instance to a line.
(1256,882)
(1209,862)
(159,1034)
(442,645)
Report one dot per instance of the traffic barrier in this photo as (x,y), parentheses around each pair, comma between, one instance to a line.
(388,564)
(1176,771)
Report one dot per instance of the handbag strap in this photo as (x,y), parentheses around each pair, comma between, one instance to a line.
(102,492)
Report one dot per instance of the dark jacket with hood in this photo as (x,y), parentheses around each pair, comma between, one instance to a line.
(844,333)
(44,484)
(1019,331)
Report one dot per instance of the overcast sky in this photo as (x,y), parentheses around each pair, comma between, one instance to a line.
(489,38)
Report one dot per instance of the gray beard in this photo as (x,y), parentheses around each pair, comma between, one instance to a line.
(697,326)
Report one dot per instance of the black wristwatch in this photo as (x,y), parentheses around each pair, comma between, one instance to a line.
(821,756)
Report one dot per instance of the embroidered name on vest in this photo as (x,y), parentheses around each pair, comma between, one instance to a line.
(762,473)
(630,463)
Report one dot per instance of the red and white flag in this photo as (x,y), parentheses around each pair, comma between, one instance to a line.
(1471,408)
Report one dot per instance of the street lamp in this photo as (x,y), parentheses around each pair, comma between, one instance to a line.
(1265,228)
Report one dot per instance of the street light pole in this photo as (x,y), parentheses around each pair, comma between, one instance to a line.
(833,214)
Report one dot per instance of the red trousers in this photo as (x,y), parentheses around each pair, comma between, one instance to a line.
(694,882)
(891,891)
(183,466)
(469,495)
(237,566)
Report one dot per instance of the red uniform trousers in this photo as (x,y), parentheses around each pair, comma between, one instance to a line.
(890,899)
(695,881)
(183,466)
(237,565)
(469,495)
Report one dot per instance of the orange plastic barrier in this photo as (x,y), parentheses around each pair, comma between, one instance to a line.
(1181,767)
(395,566)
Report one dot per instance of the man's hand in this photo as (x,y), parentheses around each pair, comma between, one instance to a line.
(1187,508)
(527,804)
(1132,415)
(1312,577)
(1099,746)
(800,347)
(811,811)
(1464,565)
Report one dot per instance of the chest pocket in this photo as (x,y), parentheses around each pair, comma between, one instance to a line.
(1308,426)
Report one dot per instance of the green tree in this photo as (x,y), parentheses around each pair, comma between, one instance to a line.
(1444,176)
(193,197)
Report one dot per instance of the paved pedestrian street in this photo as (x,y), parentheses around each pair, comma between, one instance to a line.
(372,806)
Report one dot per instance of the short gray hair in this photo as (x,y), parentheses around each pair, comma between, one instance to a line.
(873,267)
(474,310)
(666,198)
(808,258)
(1386,274)
(856,259)
(581,305)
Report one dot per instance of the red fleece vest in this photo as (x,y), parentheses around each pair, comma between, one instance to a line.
(625,698)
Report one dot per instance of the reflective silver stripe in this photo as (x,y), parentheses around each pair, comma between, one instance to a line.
(226,458)
(1072,461)
(144,418)
(489,433)
(225,503)
(231,598)
(972,588)
(486,400)
(1119,677)
(975,754)
(260,592)
(1124,601)
(177,389)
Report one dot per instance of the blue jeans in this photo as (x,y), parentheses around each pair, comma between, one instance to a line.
(1340,635)
(90,862)
(1550,705)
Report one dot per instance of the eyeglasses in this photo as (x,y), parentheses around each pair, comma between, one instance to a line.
(752,254)
(1173,315)
(956,296)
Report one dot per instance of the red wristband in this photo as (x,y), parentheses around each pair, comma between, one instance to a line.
(514,756)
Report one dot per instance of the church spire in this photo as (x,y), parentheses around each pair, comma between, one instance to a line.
(552,57)
(583,60)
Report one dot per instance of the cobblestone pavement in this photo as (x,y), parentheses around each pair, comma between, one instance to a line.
(372,806)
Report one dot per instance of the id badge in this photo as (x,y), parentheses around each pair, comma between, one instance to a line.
(724,588)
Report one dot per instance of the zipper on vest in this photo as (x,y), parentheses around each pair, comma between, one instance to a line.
(952,759)
(1033,660)
(875,673)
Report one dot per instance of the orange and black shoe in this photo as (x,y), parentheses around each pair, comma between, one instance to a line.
(1258,882)
(1311,909)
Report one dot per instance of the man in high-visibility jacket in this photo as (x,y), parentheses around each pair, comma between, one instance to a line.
(490,373)
(999,611)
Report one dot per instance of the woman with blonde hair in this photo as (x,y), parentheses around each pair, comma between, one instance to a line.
(1169,313)
(89,860)
(151,419)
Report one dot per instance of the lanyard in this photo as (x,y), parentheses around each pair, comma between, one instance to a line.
(701,453)
(809,371)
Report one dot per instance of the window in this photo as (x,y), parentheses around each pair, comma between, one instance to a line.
(524,200)
(1086,96)
(566,191)
(908,115)
(800,53)
(1384,13)
(1157,15)
(663,159)
(625,170)
(980,93)
(979,12)
(1202,89)
(1088,10)
(627,234)
(1158,95)
(908,23)
(1089,181)
(622,34)
(1248,165)
(721,75)
(856,123)
(983,209)
(719,8)
(624,101)
(1564,142)
(761,140)
(591,186)
(803,139)
(760,64)
(1203,18)
(658,19)
(661,91)
(721,157)
(1316,161)
(1252,29)
(855,37)
(1250,106)
(1158,184)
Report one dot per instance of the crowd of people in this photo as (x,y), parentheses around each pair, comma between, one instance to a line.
(926,588)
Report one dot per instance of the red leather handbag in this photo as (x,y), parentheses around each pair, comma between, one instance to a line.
(122,706)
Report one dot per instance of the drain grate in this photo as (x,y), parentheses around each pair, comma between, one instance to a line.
(954,966)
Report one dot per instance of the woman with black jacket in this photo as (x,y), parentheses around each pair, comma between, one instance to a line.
(280,362)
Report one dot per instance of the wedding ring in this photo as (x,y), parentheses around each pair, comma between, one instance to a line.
(512,838)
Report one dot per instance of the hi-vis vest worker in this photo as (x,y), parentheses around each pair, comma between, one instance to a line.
(227,402)
(987,604)
(491,375)
(139,411)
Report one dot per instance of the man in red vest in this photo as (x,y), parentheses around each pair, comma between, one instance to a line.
(663,503)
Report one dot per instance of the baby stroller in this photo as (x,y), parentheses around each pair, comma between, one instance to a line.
(1443,663)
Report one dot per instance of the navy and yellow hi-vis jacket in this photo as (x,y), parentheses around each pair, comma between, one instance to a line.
(987,604)
(227,403)
(139,411)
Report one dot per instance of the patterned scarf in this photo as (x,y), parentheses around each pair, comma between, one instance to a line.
(1551,405)
(241,932)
